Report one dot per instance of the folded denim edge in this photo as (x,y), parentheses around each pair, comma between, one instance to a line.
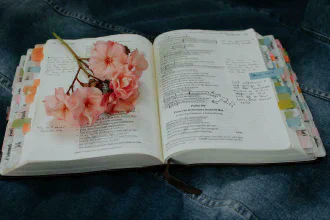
(5,82)
(93,22)
(260,11)
(315,34)
(315,92)
(210,202)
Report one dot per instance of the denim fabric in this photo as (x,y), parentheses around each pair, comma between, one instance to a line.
(316,18)
(297,191)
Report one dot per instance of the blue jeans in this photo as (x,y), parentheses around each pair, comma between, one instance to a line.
(297,191)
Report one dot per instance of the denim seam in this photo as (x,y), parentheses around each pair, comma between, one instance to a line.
(259,11)
(5,82)
(179,17)
(315,34)
(315,92)
(93,22)
(210,202)
(277,20)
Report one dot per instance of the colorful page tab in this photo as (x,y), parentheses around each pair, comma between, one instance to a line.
(282,89)
(267,74)
(20,122)
(34,69)
(286,104)
(284,96)
(288,114)
(293,122)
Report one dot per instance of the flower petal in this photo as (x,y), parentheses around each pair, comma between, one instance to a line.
(98,66)
(123,106)
(101,47)
(117,52)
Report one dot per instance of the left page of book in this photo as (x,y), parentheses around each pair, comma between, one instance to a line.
(135,133)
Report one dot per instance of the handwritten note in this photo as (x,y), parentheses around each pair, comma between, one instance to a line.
(59,65)
(247,92)
(240,67)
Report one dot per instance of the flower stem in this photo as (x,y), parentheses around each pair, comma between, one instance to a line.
(74,80)
(88,74)
(79,60)
(85,64)
(81,83)
(66,45)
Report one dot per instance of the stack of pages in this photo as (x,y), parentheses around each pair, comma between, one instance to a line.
(207,97)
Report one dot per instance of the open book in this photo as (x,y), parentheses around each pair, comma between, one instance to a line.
(206,97)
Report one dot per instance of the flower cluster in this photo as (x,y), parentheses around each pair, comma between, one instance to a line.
(112,86)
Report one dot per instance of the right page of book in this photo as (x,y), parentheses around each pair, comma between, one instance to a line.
(206,97)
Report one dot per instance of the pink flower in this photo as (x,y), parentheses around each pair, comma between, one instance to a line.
(85,105)
(106,57)
(116,105)
(124,84)
(57,105)
(137,63)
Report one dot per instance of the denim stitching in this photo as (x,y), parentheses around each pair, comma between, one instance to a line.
(277,20)
(179,17)
(315,92)
(238,207)
(5,82)
(93,22)
(259,11)
(316,35)
(319,36)
(210,202)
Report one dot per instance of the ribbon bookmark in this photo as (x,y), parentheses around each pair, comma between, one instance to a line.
(7,113)
(177,183)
